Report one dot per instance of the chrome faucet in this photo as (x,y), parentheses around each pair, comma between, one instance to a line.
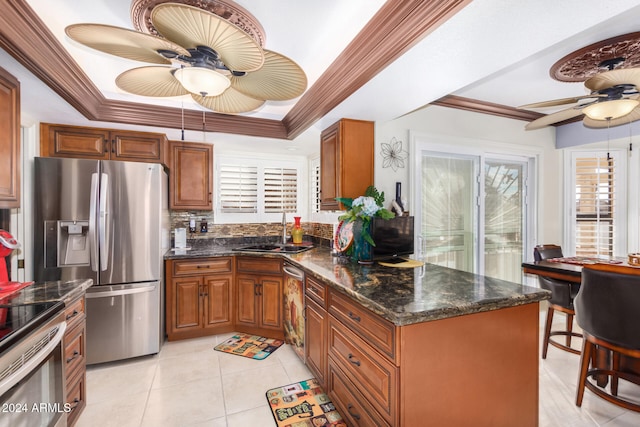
(284,228)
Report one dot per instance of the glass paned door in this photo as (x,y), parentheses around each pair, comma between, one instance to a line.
(449,194)
(504,217)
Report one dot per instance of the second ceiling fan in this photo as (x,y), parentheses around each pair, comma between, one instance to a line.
(612,100)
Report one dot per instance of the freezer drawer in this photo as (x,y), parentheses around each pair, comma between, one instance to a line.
(123,321)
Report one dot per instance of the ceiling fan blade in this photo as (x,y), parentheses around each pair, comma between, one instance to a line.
(191,27)
(123,42)
(614,77)
(151,81)
(561,101)
(552,118)
(279,79)
(230,102)
(631,117)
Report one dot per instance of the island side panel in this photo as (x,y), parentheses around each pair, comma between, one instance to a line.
(479,369)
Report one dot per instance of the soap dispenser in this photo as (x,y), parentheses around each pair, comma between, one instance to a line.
(297,232)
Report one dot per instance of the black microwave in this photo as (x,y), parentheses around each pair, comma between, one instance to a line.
(393,237)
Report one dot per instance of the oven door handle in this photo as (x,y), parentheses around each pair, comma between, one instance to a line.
(24,370)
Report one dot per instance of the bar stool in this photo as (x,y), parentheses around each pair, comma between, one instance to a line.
(607,311)
(562,295)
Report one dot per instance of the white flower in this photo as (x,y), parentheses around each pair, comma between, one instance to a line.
(369,205)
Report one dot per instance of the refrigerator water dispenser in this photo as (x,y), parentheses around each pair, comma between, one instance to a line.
(73,243)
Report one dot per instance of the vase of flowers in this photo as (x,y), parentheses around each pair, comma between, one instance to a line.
(361,211)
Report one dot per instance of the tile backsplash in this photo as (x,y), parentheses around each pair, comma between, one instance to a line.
(225,232)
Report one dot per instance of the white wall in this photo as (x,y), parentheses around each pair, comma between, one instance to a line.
(489,131)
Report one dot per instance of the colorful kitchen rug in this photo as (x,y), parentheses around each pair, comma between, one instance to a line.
(303,404)
(252,346)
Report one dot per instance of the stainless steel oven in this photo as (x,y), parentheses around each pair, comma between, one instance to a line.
(32,384)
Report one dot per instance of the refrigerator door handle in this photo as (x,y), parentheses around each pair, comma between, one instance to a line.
(93,242)
(104,213)
(120,292)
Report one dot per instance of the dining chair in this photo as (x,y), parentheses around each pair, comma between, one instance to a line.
(562,295)
(608,311)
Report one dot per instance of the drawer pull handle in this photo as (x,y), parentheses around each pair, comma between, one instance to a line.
(354,317)
(203,266)
(72,315)
(75,402)
(353,360)
(354,415)
(76,353)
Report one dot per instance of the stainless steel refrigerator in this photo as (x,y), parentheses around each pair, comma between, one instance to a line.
(108,221)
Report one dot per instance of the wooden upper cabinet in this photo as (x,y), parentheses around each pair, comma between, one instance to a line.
(346,161)
(101,144)
(9,141)
(191,171)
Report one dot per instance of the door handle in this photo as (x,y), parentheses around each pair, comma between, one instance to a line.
(120,292)
(93,241)
(103,221)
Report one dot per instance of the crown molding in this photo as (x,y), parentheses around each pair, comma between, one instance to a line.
(396,28)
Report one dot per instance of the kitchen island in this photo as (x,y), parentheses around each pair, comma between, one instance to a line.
(418,346)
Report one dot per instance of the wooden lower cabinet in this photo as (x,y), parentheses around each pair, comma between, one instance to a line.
(316,322)
(379,374)
(75,358)
(259,299)
(199,297)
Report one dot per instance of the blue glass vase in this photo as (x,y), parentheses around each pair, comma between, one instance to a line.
(362,250)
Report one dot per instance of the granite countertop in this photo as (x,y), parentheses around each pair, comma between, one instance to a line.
(401,295)
(51,291)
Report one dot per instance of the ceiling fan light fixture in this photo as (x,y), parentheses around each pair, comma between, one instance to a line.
(202,81)
(610,110)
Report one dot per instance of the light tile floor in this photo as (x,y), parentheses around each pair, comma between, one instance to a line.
(190,384)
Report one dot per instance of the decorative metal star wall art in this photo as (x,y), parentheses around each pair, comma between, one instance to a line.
(393,155)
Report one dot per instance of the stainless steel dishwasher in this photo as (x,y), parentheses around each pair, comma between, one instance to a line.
(294,308)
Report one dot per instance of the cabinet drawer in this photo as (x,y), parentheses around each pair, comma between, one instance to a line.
(316,291)
(352,406)
(259,265)
(201,266)
(76,397)
(74,349)
(375,377)
(75,313)
(369,326)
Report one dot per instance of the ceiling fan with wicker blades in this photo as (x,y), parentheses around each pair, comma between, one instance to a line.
(200,54)
(613,100)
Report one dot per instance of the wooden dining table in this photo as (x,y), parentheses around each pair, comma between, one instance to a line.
(570,269)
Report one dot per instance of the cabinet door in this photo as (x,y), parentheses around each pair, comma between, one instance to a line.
(187,300)
(271,302)
(246,311)
(137,146)
(217,301)
(316,340)
(74,142)
(329,169)
(191,170)
(9,141)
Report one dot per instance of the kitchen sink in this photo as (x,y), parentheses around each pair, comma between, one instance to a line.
(288,249)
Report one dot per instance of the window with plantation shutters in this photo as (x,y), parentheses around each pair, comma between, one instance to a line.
(599,203)
(315,186)
(595,203)
(280,190)
(238,188)
(256,189)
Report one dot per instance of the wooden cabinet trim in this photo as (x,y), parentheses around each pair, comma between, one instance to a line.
(259,265)
(317,291)
(373,375)
(9,141)
(369,326)
(201,266)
